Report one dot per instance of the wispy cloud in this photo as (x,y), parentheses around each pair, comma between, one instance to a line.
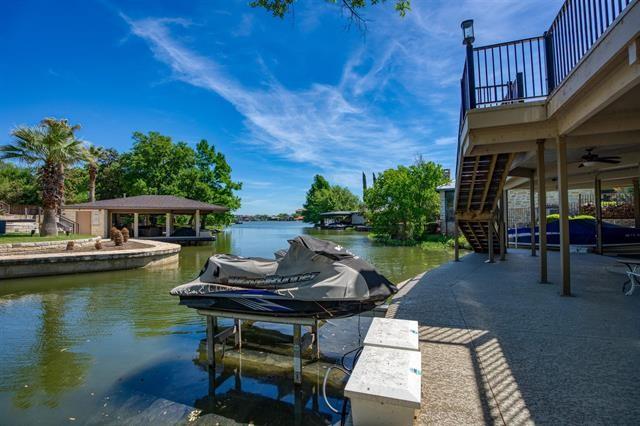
(446,141)
(323,125)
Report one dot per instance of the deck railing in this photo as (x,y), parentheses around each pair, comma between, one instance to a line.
(529,69)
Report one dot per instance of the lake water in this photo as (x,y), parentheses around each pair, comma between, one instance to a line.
(114,347)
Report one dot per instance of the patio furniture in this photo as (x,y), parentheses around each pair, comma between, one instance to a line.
(633,273)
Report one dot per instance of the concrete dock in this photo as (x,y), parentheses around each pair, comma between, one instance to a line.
(500,348)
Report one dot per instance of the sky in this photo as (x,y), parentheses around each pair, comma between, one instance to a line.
(283,99)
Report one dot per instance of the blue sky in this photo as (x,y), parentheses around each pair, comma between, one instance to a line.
(283,99)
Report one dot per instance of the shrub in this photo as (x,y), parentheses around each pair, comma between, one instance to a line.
(117,238)
(113,232)
(70,245)
(125,234)
(556,216)
(98,245)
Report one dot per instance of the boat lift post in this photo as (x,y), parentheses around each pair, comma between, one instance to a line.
(300,342)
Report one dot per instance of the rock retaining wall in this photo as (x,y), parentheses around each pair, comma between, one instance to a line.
(17,248)
(30,265)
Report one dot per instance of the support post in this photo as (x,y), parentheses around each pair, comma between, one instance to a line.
(136,231)
(316,341)
(491,258)
(211,344)
(456,244)
(471,77)
(167,225)
(598,201)
(238,334)
(542,206)
(532,207)
(501,229)
(505,217)
(636,202)
(297,355)
(563,199)
(197,219)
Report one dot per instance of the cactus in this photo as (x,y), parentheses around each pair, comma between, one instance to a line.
(125,234)
(112,232)
(70,245)
(117,238)
(98,245)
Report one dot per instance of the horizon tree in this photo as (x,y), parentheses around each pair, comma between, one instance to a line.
(51,146)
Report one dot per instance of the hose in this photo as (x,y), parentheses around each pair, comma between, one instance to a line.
(324,385)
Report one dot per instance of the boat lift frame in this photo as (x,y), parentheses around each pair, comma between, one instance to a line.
(300,342)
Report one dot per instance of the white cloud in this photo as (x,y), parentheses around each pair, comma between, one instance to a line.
(323,125)
(446,141)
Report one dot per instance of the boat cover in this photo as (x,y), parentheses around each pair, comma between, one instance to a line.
(311,269)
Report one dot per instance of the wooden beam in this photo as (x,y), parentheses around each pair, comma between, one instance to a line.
(563,198)
(598,200)
(532,207)
(636,202)
(492,166)
(521,172)
(542,205)
(501,228)
(473,183)
(456,244)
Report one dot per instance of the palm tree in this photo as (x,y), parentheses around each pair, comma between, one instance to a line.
(93,155)
(51,146)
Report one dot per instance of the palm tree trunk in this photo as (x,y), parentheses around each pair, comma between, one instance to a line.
(92,182)
(52,181)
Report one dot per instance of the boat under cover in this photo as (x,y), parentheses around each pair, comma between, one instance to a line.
(582,232)
(313,278)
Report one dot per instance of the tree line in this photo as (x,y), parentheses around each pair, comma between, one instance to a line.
(59,168)
(399,205)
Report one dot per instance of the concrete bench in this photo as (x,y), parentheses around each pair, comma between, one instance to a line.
(393,333)
(384,387)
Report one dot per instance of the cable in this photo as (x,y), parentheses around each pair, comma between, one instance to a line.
(324,386)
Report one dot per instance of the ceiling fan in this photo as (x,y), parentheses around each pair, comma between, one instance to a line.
(590,159)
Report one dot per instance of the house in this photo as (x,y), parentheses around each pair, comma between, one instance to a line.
(146,216)
(553,112)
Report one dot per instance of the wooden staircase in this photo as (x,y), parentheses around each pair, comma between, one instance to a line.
(480,183)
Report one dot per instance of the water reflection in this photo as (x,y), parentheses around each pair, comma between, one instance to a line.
(93,345)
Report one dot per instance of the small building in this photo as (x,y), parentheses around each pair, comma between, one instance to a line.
(157,217)
(447,220)
(341,219)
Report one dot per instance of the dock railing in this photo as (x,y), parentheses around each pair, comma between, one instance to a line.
(530,69)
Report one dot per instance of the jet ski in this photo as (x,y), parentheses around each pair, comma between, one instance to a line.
(313,279)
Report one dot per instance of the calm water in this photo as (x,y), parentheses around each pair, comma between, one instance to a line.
(114,347)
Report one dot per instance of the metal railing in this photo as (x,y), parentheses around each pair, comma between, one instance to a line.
(576,28)
(531,68)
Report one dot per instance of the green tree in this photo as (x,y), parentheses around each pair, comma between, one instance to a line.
(403,200)
(18,185)
(322,197)
(109,177)
(280,8)
(51,146)
(157,165)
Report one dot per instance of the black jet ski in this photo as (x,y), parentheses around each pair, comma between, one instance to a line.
(313,278)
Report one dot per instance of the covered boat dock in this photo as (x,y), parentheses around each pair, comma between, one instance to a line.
(152,217)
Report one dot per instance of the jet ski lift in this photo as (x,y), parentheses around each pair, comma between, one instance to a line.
(300,342)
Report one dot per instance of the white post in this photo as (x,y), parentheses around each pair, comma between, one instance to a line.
(197,223)
(167,225)
(135,225)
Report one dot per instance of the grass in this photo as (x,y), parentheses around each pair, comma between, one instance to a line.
(427,242)
(27,238)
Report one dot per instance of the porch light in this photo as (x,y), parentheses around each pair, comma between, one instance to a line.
(467,31)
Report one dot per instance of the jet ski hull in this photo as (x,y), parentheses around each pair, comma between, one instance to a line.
(265,303)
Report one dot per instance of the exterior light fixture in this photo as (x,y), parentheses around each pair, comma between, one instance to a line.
(467,32)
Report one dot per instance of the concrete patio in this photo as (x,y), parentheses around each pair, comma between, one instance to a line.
(498,347)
